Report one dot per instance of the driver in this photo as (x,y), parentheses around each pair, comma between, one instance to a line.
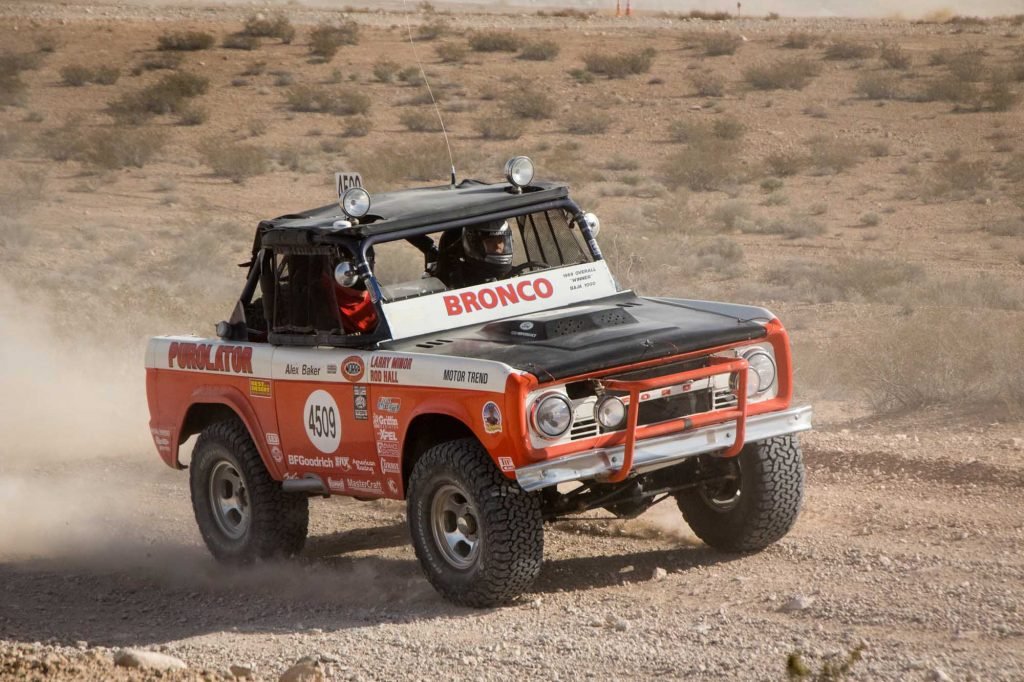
(475,254)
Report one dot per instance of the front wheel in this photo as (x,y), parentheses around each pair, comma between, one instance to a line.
(243,514)
(478,536)
(755,503)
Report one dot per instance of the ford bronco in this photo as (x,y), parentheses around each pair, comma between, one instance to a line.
(467,349)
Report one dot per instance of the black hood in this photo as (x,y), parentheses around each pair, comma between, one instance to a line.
(588,337)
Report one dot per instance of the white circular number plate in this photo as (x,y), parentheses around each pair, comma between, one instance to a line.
(323,422)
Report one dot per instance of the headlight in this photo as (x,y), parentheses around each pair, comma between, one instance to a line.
(761,375)
(355,202)
(593,223)
(610,412)
(552,415)
(519,171)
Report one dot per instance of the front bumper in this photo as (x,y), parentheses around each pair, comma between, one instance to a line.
(663,451)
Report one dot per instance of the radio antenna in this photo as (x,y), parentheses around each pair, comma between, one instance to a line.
(437,109)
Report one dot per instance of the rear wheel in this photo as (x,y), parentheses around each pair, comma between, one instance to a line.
(243,514)
(755,503)
(478,536)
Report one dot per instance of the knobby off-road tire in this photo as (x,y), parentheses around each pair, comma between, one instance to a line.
(759,510)
(479,537)
(242,512)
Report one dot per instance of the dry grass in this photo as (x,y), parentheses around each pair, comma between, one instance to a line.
(620,65)
(432,30)
(849,279)
(276,26)
(719,44)
(326,39)
(708,84)
(240,41)
(786,74)
(192,115)
(530,101)
(894,56)
(358,126)
(495,41)
(831,155)
(167,61)
(703,166)
(168,95)
(954,178)
(786,162)
(450,53)
(501,127)
(75,75)
(540,51)
(588,122)
(1006,227)
(386,70)
(317,98)
(234,160)
(730,213)
(420,121)
(848,49)
(399,164)
(878,85)
(800,40)
(185,41)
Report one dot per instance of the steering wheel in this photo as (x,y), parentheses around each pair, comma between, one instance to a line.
(530,264)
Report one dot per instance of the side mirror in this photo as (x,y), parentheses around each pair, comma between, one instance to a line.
(345,275)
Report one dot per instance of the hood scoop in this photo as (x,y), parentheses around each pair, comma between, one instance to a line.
(543,329)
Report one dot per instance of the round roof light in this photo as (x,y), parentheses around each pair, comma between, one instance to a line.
(519,171)
(593,223)
(355,202)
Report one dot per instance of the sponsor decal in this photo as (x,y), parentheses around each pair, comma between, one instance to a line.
(526,326)
(353,368)
(273,439)
(302,370)
(464,376)
(290,476)
(392,405)
(210,357)
(365,466)
(506,464)
(322,422)
(360,402)
(498,296)
(392,486)
(336,484)
(492,417)
(359,486)
(388,449)
(259,388)
(388,466)
(343,463)
(332,368)
(275,452)
(166,433)
(384,369)
(385,421)
(311,462)
(386,436)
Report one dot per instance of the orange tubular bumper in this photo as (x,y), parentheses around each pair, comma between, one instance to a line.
(636,388)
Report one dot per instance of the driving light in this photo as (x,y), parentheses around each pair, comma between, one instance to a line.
(345,275)
(519,171)
(593,223)
(355,202)
(552,415)
(761,373)
(610,413)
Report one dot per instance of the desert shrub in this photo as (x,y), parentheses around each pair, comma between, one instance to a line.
(701,167)
(254,68)
(420,121)
(728,128)
(848,279)
(950,89)
(708,84)
(797,226)
(240,41)
(113,148)
(47,41)
(847,49)
(709,16)
(12,87)
(432,30)
(315,98)
(955,178)
(722,255)
(998,94)
(771,184)
(878,148)
(588,122)
(385,70)
(718,44)
(622,163)
(192,115)
(185,41)
(494,41)
(689,132)
(277,26)
(830,156)
(815,111)
(411,75)
(540,51)
(581,76)
(75,75)
(730,212)
(878,85)
(1007,227)
(234,160)
(870,220)
(326,39)
(1013,168)
(65,142)
(358,126)
(106,75)
(425,159)
(451,52)
(10,140)
(530,101)
(168,95)
(894,56)
(500,127)
(786,162)
(790,74)
(968,66)
(157,62)
(283,79)
(620,65)
(799,40)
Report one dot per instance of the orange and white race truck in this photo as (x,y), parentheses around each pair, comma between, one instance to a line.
(466,348)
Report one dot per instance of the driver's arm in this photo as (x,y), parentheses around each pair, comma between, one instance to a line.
(429,250)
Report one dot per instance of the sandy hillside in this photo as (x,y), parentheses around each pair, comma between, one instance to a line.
(864,179)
